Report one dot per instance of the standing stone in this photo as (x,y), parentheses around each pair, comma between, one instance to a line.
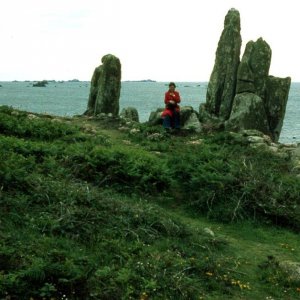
(276,101)
(248,112)
(222,84)
(105,87)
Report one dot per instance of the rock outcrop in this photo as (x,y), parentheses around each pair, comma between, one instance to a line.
(222,83)
(243,95)
(105,87)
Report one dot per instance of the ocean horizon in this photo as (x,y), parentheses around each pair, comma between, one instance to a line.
(69,98)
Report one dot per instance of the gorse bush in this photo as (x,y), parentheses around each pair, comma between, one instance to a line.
(19,124)
(126,170)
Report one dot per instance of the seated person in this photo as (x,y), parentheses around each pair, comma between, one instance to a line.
(171,116)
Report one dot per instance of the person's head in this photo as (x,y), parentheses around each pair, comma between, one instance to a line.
(172,86)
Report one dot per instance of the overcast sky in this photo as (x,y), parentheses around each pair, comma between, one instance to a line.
(162,40)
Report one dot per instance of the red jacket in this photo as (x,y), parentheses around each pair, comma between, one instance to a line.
(174,96)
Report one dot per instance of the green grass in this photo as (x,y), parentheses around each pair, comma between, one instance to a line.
(103,214)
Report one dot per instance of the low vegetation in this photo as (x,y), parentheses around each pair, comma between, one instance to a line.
(94,213)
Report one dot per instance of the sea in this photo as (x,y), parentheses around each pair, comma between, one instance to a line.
(69,98)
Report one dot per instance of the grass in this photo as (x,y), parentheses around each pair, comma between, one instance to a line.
(89,212)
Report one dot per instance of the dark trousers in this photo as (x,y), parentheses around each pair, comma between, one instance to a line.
(172,122)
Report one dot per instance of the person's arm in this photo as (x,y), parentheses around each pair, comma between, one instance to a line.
(177,97)
(168,98)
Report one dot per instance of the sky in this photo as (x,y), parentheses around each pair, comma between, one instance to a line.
(162,40)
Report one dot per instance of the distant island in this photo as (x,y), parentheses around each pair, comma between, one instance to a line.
(145,80)
(42,83)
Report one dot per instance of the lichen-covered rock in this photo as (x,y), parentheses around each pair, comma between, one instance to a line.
(245,77)
(130,113)
(253,76)
(277,92)
(209,122)
(105,87)
(185,114)
(260,61)
(193,123)
(93,91)
(248,78)
(155,117)
(292,270)
(222,84)
(248,112)
(254,68)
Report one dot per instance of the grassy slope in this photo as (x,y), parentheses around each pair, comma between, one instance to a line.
(96,213)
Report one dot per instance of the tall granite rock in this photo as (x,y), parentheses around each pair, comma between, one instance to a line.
(254,68)
(105,87)
(222,84)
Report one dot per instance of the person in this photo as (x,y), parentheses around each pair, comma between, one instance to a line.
(171,113)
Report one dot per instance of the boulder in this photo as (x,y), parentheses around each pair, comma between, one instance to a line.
(105,87)
(277,92)
(209,122)
(292,270)
(130,114)
(248,112)
(222,84)
(185,114)
(188,118)
(155,117)
(193,123)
